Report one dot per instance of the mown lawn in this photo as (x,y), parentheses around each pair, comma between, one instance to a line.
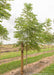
(47,71)
(16,64)
(16,54)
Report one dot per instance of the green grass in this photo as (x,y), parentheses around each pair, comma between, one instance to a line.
(16,64)
(47,71)
(9,55)
(16,54)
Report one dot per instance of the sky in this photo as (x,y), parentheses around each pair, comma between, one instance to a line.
(43,8)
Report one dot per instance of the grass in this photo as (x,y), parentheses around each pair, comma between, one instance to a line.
(16,64)
(16,54)
(47,71)
(9,55)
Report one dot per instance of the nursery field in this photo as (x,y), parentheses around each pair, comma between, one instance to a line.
(17,53)
(47,71)
(26,37)
(11,60)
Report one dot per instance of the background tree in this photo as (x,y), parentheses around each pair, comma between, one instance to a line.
(5,7)
(47,35)
(29,31)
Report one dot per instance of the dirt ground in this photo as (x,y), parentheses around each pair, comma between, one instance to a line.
(8,48)
(35,67)
(18,58)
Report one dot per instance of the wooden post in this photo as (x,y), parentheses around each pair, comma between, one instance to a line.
(22,48)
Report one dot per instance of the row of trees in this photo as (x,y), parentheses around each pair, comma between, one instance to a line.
(29,31)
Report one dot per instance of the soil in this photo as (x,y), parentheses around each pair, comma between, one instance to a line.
(33,68)
(18,58)
(5,50)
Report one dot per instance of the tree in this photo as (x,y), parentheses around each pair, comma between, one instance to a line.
(47,34)
(5,7)
(29,31)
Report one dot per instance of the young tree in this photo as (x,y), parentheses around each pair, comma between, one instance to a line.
(28,31)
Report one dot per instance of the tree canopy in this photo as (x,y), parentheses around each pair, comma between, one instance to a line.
(5,7)
(28,29)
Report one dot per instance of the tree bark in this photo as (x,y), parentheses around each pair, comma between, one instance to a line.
(26,57)
(48,47)
(22,48)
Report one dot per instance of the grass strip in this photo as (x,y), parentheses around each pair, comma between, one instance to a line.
(17,54)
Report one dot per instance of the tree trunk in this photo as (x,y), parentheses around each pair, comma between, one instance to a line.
(22,48)
(0,52)
(48,47)
(26,57)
